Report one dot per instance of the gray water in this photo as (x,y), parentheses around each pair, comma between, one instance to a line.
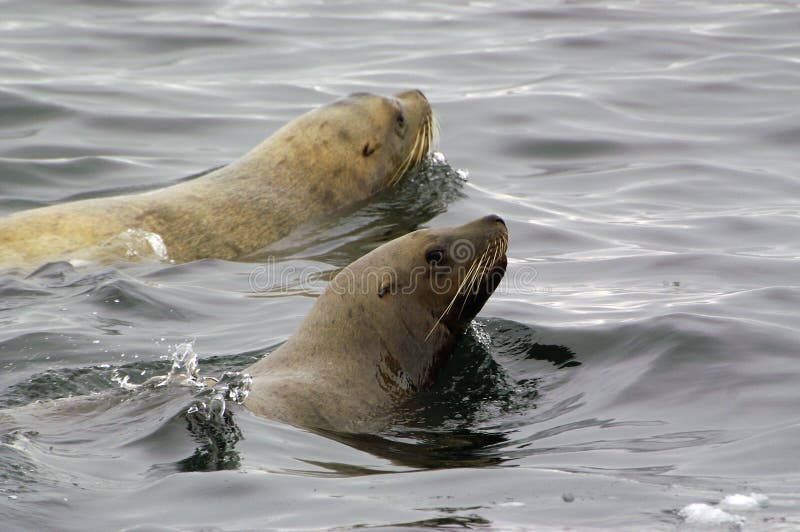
(640,356)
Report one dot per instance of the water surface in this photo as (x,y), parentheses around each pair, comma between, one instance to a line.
(640,356)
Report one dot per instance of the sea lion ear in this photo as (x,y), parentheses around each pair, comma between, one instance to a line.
(385,288)
(369,149)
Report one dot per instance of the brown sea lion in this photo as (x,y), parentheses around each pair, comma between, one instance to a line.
(382,330)
(321,162)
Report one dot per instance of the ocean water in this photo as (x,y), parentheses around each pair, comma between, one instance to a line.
(637,368)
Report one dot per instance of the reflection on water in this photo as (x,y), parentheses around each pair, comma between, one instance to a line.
(216,435)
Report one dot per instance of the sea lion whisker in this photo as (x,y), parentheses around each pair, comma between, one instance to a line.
(473,283)
(418,150)
(497,254)
(453,300)
(436,132)
(406,164)
(474,279)
(465,282)
(494,249)
(478,272)
(422,146)
(414,157)
(401,169)
(430,134)
(424,141)
(485,268)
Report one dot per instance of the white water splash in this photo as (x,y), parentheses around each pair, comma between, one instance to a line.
(124,381)
(185,371)
(438,158)
(143,244)
(707,514)
(743,503)
(185,367)
(233,386)
(480,334)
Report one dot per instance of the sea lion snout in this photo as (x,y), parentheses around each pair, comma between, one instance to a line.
(493,218)
(483,231)
(413,94)
(416,98)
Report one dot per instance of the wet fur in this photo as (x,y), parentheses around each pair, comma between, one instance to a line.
(312,167)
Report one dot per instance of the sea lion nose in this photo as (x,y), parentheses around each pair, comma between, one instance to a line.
(412,93)
(494,218)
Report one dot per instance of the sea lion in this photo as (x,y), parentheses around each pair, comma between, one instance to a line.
(382,329)
(329,158)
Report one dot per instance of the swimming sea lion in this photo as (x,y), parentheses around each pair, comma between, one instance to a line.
(382,329)
(334,156)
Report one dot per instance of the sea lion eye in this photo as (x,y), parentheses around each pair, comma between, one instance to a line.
(368,150)
(401,120)
(434,256)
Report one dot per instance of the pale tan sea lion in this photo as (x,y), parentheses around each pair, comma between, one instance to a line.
(382,329)
(323,161)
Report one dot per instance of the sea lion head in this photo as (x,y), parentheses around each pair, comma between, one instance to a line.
(414,296)
(450,271)
(382,329)
(356,146)
(397,135)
